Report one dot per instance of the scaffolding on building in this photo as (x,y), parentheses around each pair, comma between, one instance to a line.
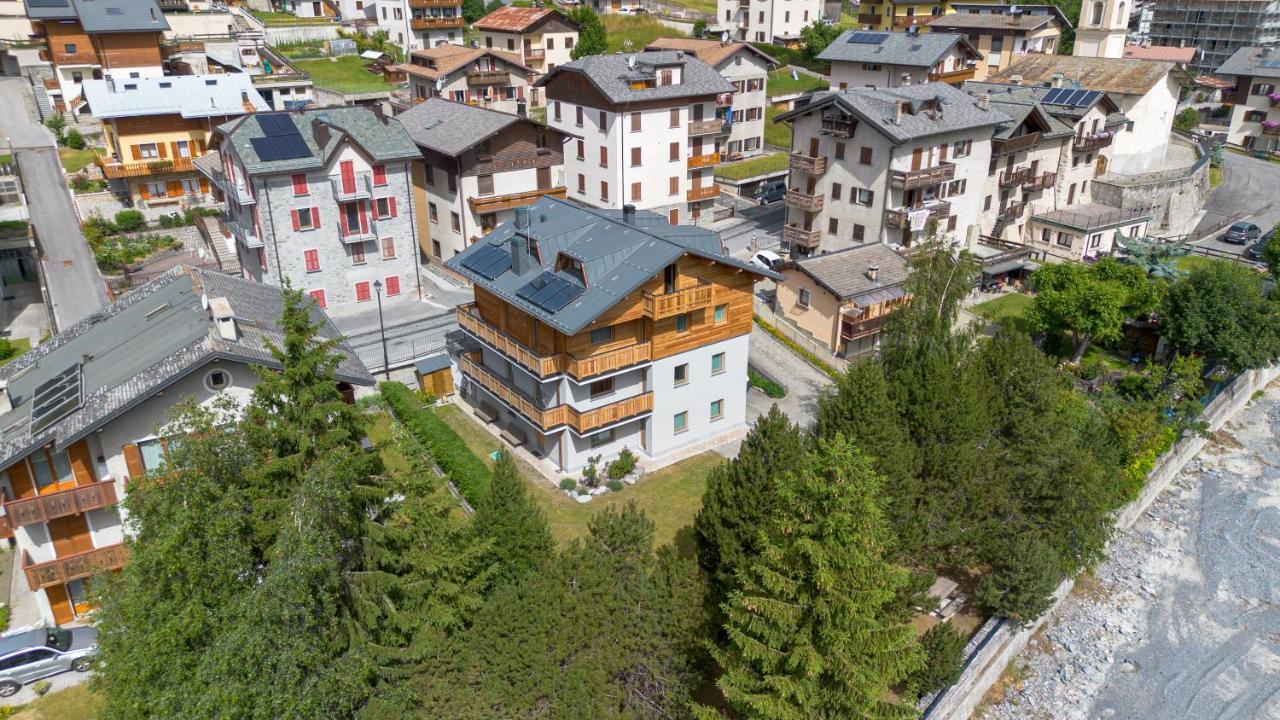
(1217,27)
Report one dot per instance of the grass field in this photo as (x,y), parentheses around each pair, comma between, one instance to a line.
(776,134)
(1215,177)
(781,83)
(670,497)
(752,167)
(275,18)
(633,32)
(73,161)
(1009,308)
(344,74)
(74,703)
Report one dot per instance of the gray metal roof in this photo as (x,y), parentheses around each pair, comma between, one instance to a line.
(878,108)
(381,139)
(142,343)
(1020,107)
(1068,115)
(191,96)
(432,364)
(896,48)
(844,272)
(452,128)
(617,257)
(102,16)
(1091,216)
(612,75)
(1251,62)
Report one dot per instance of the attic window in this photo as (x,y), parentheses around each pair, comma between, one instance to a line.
(211,82)
(572,267)
(166,84)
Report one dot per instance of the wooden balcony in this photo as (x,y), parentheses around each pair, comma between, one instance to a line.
(1015,145)
(52,85)
(658,307)
(714,126)
(706,192)
(794,236)
(707,160)
(547,365)
(547,419)
(494,203)
(535,54)
(1043,181)
(1089,143)
(868,19)
(488,77)
(1016,176)
(924,177)
(73,567)
(436,4)
(724,100)
(436,23)
(74,501)
(900,217)
(1271,130)
(803,201)
(853,329)
(838,127)
(906,21)
(77,58)
(953,77)
(807,164)
(1012,212)
(113,169)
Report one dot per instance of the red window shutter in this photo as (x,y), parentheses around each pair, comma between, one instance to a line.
(393,285)
(300,184)
(293,215)
(362,291)
(364,217)
(313,260)
(348,176)
(379,174)
(315,217)
(318,296)
(520,92)
(393,207)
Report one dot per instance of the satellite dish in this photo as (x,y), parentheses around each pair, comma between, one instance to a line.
(724,36)
(439,84)
(631,62)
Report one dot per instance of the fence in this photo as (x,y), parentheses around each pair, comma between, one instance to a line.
(799,336)
(401,352)
(1003,640)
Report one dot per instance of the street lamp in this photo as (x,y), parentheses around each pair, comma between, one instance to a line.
(382,330)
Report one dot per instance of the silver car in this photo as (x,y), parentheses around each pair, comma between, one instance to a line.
(33,654)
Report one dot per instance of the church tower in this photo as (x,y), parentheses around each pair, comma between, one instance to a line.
(1102,28)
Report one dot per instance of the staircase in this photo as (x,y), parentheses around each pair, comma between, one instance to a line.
(42,104)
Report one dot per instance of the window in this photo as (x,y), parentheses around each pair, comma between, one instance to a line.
(148,151)
(312,258)
(300,184)
(604,190)
(568,43)
(1263,89)
(717,410)
(305,218)
(433,212)
(392,283)
(673,187)
(357,253)
(456,222)
(833,226)
(362,292)
(720,313)
(836,191)
(635,192)
(602,438)
(635,122)
(77,76)
(675,117)
(635,157)
(863,197)
(859,232)
(681,422)
(577,116)
(582,150)
(184,148)
(69,48)
(217,380)
(717,363)
(986,203)
(603,121)
(384,208)
(839,151)
(551,43)
(604,156)
(556,110)
(682,323)
(599,336)
(1064,239)
(802,298)
(484,184)
(961,148)
(681,375)
(388,248)
(379,175)
(582,184)
(601,387)
(156,189)
(1095,240)
(864,156)
(318,296)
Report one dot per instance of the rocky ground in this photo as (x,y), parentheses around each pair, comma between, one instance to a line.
(1183,620)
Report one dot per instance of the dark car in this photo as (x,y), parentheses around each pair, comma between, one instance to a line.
(1254,251)
(1242,233)
(40,652)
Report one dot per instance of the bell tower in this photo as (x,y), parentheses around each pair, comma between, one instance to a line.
(1102,28)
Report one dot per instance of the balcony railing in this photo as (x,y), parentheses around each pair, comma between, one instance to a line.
(851,329)
(361,188)
(924,177)
(667,305)
(113,169)
(76,58)
(794,235)
(487,77)
(244,234)
(803,201)
(707,160)
(868,19)
(436,23)
(546,419)
(52,85)
(713,126)
(547,365)
(73,567)
(706,192)
(808,164)
(357,234)
(535,54)
(901,217)
(1017,176)
(51,506)
(1016,144)
(436,4)
(494,203)
(837,127)
(1092,142)
(906,21)
(1012,212)
(724,100)
(953,77)
(1043,181)
(1271,130)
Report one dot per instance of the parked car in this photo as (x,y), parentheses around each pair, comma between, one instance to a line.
(766,259)
(38,653)
(770,191)
(1242,233)
(1254,251)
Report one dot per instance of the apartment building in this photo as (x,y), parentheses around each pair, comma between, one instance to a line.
(89,410)
(1001,33)
(1145,91)
(646,130)
(902,14)
(492,79)
(156,127)
(322,200)
(278,80)
(868,59)
(89,39)
(767,21)
(597,330)
(747,69)
(1218,28)
(541,38)
(419,24)
(1255,120)
(885,165)
(612,7)
(478,166)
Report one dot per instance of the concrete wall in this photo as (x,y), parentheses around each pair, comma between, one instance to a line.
(1173,198)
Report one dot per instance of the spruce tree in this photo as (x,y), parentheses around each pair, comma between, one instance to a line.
(807,631)
(514,524)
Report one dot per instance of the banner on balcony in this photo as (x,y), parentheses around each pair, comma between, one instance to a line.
(917,219)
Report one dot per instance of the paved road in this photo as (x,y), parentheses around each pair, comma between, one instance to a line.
(803,382)
(762,222)
(69,272)
(1246,193)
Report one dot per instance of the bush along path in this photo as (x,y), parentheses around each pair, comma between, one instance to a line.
(463,469)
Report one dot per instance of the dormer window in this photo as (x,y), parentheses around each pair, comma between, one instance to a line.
(571,267)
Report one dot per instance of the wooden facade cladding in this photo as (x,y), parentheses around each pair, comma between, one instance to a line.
(515,147)
(72,501)
(63,570)
(134,49)
(494,203)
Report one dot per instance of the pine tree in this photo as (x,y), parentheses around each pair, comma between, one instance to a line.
(807,634)
(514,523)
(592,39)
(741,495)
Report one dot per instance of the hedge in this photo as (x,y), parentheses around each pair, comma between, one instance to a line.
(809,357)
(468,473)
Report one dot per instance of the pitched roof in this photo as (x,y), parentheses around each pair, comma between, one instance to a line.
(448,57)
(1113,75)
(1168,53)
(453,128)
(613,75)
(895,48)
(191,96)
(323,131)
(711,52)
(102,16)
(141,344)
(1005,96)
(617,257)
(878,108)
(844,273)
(1021,22)
(517,19)
(1252,62)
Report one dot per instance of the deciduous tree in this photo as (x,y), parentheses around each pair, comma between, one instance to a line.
(1220,310)
(592,39)
(1071,299)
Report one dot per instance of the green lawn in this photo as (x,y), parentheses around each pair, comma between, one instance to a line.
(1215,177)
(1192,262)
(640,30)
(380,435)
(776,134)
(17,346)
(74,703)
(752,167)
(275,18)
(73,161)
(780,82)
(702,6)
(344,74)
(1009,308)
(670,497)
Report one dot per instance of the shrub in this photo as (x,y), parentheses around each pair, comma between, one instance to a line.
(42,687)
(130,221)
(57,124)
(75,140)
(614,485)
(809,357)
(568,484)
(943,647)
(369,401)
(591,473)
(7,349)
(207,212)
(623,465)
(699,27)
(767,386)
(1020,586)
(468,472)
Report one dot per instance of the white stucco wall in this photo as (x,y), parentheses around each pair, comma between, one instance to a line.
(695,397)
(1141,147)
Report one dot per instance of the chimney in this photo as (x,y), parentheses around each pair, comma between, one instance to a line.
(521,109)
(906,79)
(380,112)
(629,214)
(520,242)
(1057,80)
(984,101)
(223,318)
(679,54)
(897,112)
(6,402)
(320,132)
(1015,79)
(873,273)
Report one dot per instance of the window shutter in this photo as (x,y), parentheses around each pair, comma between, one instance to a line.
(137,152)
(348,176)
(200,146)
(393,285)
(364,218)
(143,192)
(300,184)
(393,207)
(160,148)
(379,174)
(204,186)
(20,479)
(293,215)
(81,463)
(173,188)
(174,147)
(944,152)
(315,217)
(520,92)
(133,461)
(318,296)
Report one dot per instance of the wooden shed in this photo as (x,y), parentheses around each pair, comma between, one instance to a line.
(435,375)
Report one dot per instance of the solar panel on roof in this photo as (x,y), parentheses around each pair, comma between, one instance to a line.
(57,397)
(550,292)
(1051,97)
(276,125)
(863,37)
(488,261)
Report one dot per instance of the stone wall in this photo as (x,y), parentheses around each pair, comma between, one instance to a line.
(1173,197)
